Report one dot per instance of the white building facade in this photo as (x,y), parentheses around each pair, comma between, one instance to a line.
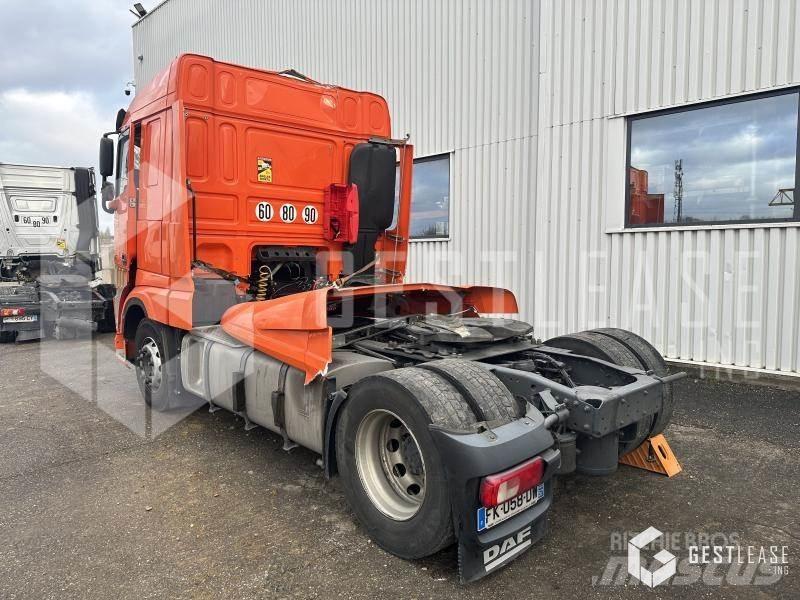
(553,132)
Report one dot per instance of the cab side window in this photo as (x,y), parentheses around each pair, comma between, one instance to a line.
(122,164)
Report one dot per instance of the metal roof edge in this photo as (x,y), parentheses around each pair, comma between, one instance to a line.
(150,12)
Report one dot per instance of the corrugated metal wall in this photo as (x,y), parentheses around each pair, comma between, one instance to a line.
(725,295)
(528,98)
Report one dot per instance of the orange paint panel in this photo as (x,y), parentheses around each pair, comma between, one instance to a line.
(228,153)
(350,111)
(231,90)
(219,254)
(378,115)
(491,300)
(293,329)
(149,279)
(197,79)
(179,251)
(226,84)
(286,98)
(148,246)
(152,93)
(230,252)
(298,160)
(180,308)
(448,298)
(151,189)
(196,148)
(153,299)
(152,160)
(216,208)
(165,256)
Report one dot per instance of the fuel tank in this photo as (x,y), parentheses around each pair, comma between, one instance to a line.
(228,373)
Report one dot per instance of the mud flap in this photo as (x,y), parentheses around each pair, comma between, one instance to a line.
(481,554)
(470,456)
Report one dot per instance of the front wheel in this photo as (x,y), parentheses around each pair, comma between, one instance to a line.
(156,363)
(392,472)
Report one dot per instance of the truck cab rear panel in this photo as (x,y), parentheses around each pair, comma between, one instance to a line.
(38,209)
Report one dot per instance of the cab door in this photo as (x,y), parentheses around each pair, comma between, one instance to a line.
(151,190)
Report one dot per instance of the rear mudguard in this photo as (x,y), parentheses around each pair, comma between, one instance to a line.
(470,456)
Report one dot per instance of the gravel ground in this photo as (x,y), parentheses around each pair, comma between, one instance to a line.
(102,499)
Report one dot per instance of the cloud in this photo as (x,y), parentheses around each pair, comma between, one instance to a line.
(63,68)
(50,44)
(51,128)
(54,128)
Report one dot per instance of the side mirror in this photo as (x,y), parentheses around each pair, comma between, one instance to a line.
(107,196)
(106,157)
(121,114)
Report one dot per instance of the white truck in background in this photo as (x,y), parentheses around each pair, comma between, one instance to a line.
(49,254)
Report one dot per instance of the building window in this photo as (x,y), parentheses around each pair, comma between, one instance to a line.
(430,198)
(733,161)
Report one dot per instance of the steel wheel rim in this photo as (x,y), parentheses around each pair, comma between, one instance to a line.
(149,364)
(390,465)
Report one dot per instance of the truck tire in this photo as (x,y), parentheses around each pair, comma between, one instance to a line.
(486,395)
(8,337)
(652,361)
(597,345)
(157,370)
(393,475)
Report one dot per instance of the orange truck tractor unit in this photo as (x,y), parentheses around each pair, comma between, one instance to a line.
(262,247)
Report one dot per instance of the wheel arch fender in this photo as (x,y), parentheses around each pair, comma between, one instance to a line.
(346,369)
(132,314)
(335,401)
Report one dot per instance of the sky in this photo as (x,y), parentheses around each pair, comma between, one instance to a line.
(63,70)
(735,157)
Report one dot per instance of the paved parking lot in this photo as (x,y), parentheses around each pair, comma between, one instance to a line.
(102,500)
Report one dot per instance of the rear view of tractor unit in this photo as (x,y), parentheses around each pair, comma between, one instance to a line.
(263,246)
(49,254)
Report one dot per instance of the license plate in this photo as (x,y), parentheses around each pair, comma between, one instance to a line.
(36,220)
(489,517)
(25,319)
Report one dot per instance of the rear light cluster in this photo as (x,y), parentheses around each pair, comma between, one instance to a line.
(12,312)
(497,488)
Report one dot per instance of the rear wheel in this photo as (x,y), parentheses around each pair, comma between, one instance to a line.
(394,476)
(486,395)
(603,347)
(7,337)
(652,361)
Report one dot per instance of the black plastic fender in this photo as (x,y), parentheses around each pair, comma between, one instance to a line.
(333,404)
(470,456)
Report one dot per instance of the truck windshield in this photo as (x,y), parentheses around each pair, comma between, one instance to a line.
(122,164)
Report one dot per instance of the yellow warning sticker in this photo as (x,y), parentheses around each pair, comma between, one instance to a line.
(61,243)
(264,170)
